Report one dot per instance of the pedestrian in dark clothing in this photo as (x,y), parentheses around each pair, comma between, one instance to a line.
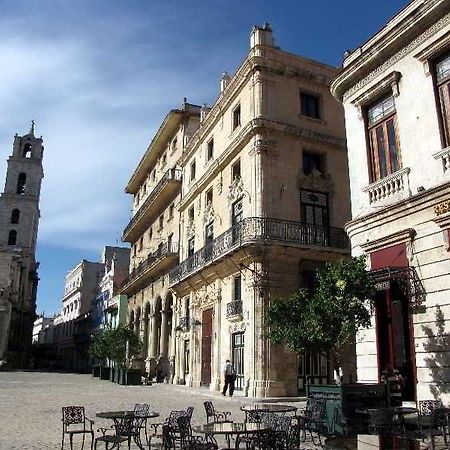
(230,377)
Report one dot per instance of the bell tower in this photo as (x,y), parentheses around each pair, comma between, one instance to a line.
(19,220)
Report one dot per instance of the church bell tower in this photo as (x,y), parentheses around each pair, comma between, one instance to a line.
(19,220)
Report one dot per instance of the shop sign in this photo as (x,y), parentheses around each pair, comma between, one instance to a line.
(442,208)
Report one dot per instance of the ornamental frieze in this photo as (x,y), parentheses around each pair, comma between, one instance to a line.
(237,327)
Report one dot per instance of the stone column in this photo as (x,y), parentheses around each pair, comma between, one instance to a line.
(216,379)
(172,349)
(154,340)
(164,339)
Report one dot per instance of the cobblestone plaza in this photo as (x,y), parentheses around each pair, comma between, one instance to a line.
(30,413)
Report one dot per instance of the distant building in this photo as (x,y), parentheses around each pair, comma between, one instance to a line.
(19,221)
(105,306)
(395,90)
(41,328)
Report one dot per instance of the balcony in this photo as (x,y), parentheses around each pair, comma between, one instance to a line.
(234,310)
(166,188)
(158,261)
(259,231)
(392,186)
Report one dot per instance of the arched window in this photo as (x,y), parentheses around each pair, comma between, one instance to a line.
(27,151)
(15,215)
(21,183)
(12,237)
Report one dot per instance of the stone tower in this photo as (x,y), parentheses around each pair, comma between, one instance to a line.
(19,220)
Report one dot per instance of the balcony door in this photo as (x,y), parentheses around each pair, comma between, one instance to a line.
(209,238)
(237,351)
(206,346)
(314,213)
(236,218)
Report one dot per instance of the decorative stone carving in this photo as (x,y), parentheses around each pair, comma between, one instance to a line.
(316,181)
(208,214)
(237,327)
(190,231)
(201,299)
(236,190)
(263,145)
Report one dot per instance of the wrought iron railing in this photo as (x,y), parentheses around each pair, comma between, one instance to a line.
(234,308)
(162,251)
(170,175)
(260,230)
(185,323)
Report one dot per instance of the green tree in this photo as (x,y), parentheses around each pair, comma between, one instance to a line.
(328,318)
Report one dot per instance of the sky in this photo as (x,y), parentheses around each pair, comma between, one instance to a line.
(99,76)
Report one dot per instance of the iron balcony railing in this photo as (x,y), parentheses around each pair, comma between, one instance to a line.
(234,308)
(162,251)
(260,230)
(170,175)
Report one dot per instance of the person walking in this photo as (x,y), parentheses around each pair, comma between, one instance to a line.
(230,377)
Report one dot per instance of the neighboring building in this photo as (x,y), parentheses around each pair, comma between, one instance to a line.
(105,306)
(395,90)
(265,196)
(19,221)
(153,232)
(73,326)
(41,328)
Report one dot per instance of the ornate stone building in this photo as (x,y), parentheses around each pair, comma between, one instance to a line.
(395,91)
(153,232)
(264,200)
(19,220)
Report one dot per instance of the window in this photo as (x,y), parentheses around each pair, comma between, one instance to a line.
(174,144)
(209,197)
(209,238)
(314,208)
(141,243)
(21,183)
(171,210)
(191,214)
(12,237)
(169,243)
(15,215)
(210,150)
(161,222)
(150,234)
(237,288)
(191,246)
(384,146)
(309,105)
(153,175)
(312,163)
(27,151)
(237,117)
(164,160)
(192,177)
(443,90)
(236,170)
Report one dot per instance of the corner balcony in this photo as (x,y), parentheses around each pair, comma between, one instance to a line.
(260,231)
(234,310)
(157,262)
(390,187)
(162,193)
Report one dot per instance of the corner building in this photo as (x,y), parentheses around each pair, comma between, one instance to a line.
(265,196)
(395,91)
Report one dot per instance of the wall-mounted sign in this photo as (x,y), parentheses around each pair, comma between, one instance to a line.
(442,207)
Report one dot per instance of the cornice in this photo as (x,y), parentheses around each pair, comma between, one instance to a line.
(403,236)
(256,60)
(250,130)
(373,58)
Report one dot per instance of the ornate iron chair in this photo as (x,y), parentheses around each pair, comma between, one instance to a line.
(381,421)
(190,442)
(312,420)
(215,416)
(169,428)
(426,410)
(121,434)
(75,422)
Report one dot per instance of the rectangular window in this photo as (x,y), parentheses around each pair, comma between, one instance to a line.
(191,214)
(192,177)
(236,170)
(209,197)
(443,90)
(210,150)
(237,288)
(171,210)
(314,208)
(141,243)
(237,117)
(209,238)
(309,105)
(312,163)
(161,222)
(191,246)
(384,145)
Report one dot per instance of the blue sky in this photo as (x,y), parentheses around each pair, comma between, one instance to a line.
(98,77)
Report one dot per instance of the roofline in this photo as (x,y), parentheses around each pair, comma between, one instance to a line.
(187,110)
(396,34)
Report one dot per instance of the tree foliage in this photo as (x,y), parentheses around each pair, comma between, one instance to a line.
(328,318)
(111,343)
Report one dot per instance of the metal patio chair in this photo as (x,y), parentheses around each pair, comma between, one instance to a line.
(214,416)
(74,421)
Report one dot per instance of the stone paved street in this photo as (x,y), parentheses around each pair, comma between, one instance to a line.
(30,404)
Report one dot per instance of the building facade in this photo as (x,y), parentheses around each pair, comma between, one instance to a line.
(19,221)
(153,233)
(395,91)
(41,330)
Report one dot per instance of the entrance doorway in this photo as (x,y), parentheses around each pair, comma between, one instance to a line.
(312,369)
(395,336)
(237,351)
(206,346)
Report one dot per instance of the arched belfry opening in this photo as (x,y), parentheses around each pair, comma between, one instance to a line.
(27,150)
(21,183)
